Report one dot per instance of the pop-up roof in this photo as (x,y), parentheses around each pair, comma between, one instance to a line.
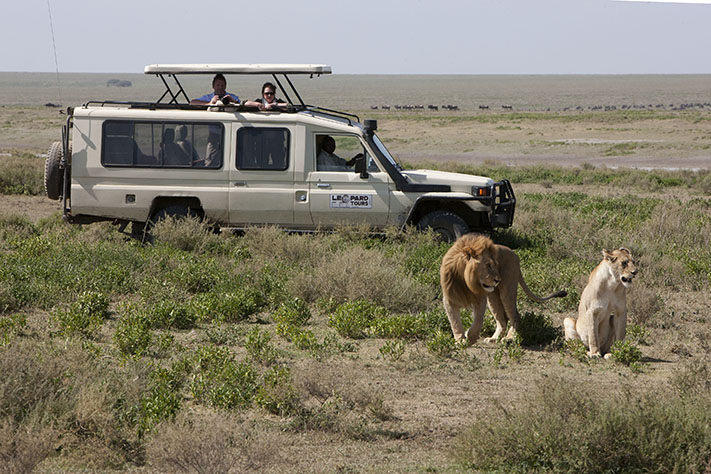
(172,70)
(237,69)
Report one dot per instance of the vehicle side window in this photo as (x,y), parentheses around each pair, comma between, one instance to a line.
(162,144)
(337,153)
(263,148)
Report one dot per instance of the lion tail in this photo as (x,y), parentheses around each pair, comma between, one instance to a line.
(557,294)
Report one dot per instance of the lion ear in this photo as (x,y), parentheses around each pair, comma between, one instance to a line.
(608,255)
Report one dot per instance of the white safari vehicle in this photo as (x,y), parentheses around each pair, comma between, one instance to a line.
(136,162)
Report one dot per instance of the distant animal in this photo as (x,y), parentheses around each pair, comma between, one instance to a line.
(602,312)
(475,271)
(484,107)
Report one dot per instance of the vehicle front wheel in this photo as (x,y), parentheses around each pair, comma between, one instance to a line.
(447,225)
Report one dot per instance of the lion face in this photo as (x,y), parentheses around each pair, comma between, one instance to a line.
(622,265)
(485,272)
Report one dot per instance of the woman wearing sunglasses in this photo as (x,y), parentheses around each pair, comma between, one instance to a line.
(268,101)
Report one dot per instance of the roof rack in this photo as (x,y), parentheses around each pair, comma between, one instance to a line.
(172,70)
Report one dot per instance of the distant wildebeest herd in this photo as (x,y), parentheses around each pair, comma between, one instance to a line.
(610,108)
(579,108)
(415,107)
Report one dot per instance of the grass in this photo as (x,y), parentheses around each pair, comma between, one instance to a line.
(134,357)
(561,429)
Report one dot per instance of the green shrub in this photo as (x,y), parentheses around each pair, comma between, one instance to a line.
(196,275)
(412,326)
(85,315)
(294,312)
(392,350)
(160,402)
(508,347)
(277,394)
(221,382)
(576,349)
(352,319)
(259,347)
(227,307)
(442,344)
(537,329)
(637,334)
(10,326)
(172,314)
(626,353)
(133,332)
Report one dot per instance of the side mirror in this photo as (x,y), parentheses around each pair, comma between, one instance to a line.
(361,168)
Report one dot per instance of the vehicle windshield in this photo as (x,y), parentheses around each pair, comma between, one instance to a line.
(385,152)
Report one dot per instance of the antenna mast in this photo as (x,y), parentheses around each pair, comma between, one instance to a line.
(54,46)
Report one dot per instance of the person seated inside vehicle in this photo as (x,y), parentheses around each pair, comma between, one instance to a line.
(269,100)
(181,134)
(327,160)
(213,149)
(170,152)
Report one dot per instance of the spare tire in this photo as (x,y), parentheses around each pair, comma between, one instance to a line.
(53,176)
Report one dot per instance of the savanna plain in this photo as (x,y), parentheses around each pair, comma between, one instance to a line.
(330,352)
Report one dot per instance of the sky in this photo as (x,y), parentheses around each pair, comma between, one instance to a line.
(361,37)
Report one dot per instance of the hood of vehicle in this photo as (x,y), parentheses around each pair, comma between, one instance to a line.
(458,181)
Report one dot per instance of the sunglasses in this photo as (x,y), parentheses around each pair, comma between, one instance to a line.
(269,93)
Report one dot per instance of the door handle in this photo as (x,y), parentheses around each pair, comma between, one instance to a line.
(240,183)
(323,185)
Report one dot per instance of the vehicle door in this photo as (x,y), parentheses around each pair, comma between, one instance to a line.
(339,194)
(261,175)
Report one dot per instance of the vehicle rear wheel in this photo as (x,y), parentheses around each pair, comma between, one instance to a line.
(447,225)
(175,211)
(53,176)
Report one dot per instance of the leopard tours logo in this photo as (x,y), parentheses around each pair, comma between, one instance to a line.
(352,201)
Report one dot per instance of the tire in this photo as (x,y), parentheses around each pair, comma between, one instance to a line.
(177,211)
(447,225)
(53,176)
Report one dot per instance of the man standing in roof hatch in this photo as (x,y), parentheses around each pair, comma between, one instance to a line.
(219,85)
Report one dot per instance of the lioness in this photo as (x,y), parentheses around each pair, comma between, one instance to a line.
(602,313)
(475,269)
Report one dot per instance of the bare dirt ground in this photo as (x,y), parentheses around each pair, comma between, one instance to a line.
(33,208)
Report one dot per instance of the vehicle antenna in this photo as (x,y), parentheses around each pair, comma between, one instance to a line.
(54,46)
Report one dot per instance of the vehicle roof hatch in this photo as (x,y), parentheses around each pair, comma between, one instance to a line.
(172,71)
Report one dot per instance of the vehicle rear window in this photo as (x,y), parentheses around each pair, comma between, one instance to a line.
(263,148)
(162,144)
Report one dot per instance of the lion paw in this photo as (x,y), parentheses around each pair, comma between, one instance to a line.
(490,340)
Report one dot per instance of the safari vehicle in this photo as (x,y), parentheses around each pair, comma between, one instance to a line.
(122,161)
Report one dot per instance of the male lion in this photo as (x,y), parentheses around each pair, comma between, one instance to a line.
(602,313)
(475,269)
